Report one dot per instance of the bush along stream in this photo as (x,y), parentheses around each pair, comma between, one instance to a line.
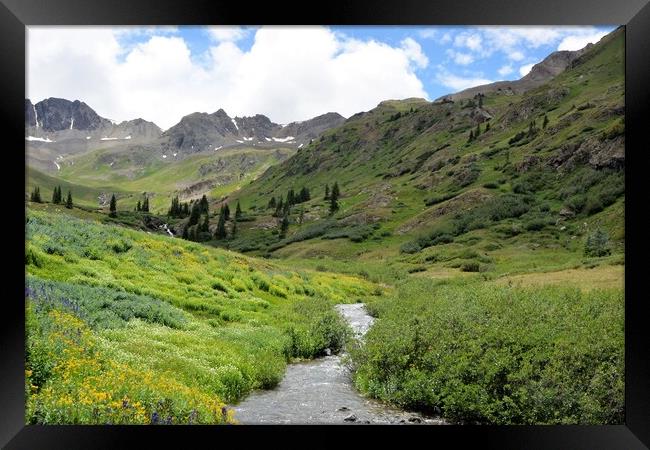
(321,391)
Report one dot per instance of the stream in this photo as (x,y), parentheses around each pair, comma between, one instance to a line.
(320,391)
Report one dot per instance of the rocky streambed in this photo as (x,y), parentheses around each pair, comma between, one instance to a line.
(321,392)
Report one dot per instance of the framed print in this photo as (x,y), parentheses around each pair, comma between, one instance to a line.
(403,219)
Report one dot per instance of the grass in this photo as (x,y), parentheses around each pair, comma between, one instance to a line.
(599,277)
(212,322)
(217,174)
(470,255)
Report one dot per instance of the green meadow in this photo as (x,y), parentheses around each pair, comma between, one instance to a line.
(108,306)
(493,265)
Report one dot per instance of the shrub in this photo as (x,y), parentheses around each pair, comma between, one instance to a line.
(535,225)
(219,286)
(439,198)
(576,203)
(597,244)
(470,266)
(497,355)
(31,257)
(120,245)
(52,248)
(277,291)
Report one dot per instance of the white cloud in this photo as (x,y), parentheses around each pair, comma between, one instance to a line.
(470,40)
(529,36)
(227,33)
(457,82)
(576,42)
(414,52)
(288,74)
(516,55)
(429,33)
(129,31)
(513,42)
(523,70)
(505,70)
(462,59)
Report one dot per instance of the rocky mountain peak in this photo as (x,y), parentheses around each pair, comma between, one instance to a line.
(57,114)
(542,72)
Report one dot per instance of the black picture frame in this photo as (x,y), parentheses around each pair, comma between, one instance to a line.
(15,15)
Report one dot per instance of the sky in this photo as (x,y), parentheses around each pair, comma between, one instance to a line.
(288,73)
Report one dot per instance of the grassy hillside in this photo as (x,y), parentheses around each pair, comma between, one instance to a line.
(127,327)
(138,171)
(81,194)
(410,179)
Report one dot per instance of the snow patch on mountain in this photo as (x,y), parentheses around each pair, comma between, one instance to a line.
(287,139)
(34,138)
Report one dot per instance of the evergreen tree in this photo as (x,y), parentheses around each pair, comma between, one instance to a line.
(113,206)
(206,224)
(272,203)
(36,195)
(186,210)
(195,215)
(471,136)
(226,212)
(487,127)
(545,123)
(279,208)
(335,191)
(220,232)
(234,227)
(327,192)
(237,211)
(334,196)
(478,130)
(186,234)
(68,202)
(284,224)
(138,207)
(56,195)
(334,205)
(480,100)
(531,129)
(174,210)
(304,195)
(291,197)
(145,204)
(204,204)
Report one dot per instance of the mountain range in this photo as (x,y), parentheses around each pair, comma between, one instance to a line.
(56,128)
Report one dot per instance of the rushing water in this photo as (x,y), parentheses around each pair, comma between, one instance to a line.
(321,392)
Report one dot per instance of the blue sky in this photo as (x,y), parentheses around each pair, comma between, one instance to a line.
(287,73)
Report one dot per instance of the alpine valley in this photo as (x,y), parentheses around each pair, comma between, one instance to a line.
(186,275)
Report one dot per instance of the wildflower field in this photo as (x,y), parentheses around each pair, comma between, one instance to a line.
(127,327)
